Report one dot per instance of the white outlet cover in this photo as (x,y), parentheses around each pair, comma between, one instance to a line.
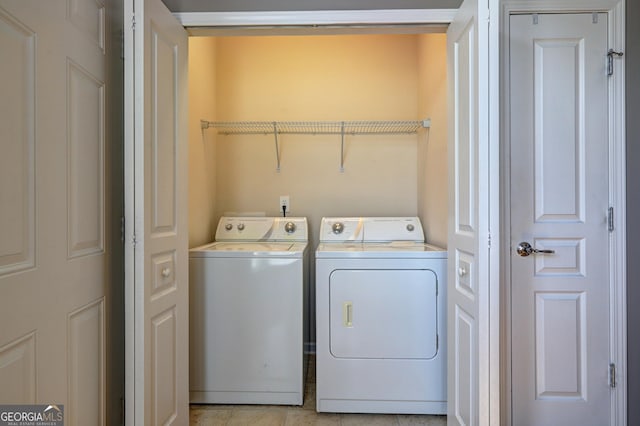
(284,201)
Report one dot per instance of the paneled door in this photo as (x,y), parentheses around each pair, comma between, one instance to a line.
(473,281)
(53,206)
(157,295)
(559,233)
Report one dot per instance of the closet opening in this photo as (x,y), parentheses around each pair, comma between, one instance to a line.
(318,75)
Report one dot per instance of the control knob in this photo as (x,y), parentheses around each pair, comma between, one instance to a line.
(337,228)
(240,226)
(290,227)
(228,227)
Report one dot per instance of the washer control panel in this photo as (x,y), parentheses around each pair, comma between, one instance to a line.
(248,228)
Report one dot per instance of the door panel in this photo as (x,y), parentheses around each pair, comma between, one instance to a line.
(85,98)
(87,365)
(465,398)
(164,144)
(18,366)
(17,163)
(164,389)
(559,201)
(156,159)
(559,138)
(462,301)
(560,349)
(473,394)
(53,206)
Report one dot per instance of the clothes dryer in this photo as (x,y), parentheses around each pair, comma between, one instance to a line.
(380,317)
(248,316)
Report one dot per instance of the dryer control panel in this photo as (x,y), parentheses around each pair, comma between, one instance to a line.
(370,229)
(341,229)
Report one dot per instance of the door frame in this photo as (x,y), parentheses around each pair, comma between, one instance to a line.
(204,23)
(433,20)
(615,10)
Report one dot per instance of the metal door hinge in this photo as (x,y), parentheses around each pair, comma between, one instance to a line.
(134,241)
(122,229)
(594,17)
(133,21)
(535,18)
(612,375)
(610,54)
(610,223)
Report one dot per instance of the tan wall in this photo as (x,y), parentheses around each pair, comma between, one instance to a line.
(202,158)
(432,157)
(362,77)
(358,77)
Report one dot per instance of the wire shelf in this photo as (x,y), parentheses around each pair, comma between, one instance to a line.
(316,127)
(341,128)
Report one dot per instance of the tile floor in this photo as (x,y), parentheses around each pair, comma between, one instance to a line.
(286,415)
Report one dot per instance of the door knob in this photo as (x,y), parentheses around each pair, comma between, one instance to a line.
(524,249)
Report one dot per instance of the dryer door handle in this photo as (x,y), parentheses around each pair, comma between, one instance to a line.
(347,314)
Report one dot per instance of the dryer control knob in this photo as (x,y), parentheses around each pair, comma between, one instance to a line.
(410,227)
(240,226)
(228,227)
(290,227)
(337,228)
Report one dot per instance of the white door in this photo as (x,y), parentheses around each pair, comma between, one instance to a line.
(53,206)
(559,202)
(157,305)
(473,286)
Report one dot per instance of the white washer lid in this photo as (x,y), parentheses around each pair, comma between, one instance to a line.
(249,249)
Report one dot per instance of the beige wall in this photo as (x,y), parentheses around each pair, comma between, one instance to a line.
(358,77)
(316,78)
(432,158)
(362,77)
(202,159)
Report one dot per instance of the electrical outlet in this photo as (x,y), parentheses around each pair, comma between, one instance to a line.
(284,201)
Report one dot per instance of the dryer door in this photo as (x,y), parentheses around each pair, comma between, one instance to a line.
(389,314)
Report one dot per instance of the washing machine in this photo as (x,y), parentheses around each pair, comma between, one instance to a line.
(248,312)
(380,317)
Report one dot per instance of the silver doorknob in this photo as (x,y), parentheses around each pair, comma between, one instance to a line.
(524,249)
